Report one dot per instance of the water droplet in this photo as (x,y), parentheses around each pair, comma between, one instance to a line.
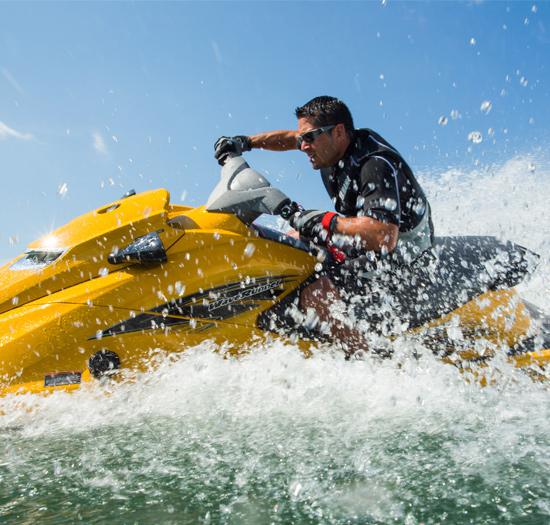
(419,208)
(99,334)
(475,136)
(472,41)
(390,204)
(534,9)
(455,114)
(180,288)
(62,189)
(249,249)
(115,138)
(103,272)
(183,195)
(295,489)
(443,121)
(531,167)
(526,22)
(15,301)
(531,120)
(486,106)
(523,81)
(381,77)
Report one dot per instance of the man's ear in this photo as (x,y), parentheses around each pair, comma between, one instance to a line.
(340,130)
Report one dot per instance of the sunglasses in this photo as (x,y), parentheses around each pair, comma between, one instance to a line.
(309,136)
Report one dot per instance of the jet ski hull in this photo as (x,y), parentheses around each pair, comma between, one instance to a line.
(72,299)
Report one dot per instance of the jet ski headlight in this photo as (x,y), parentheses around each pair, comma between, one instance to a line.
(36,259)
(146,250)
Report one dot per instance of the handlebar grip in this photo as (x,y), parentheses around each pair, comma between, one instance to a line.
(288,209)
(226,156)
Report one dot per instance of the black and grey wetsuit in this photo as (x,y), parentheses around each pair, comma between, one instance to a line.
(373,179)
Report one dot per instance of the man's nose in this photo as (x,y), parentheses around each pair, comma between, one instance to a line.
(305,146)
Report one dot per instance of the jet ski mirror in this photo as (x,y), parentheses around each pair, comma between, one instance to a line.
(147,249)
(244,192)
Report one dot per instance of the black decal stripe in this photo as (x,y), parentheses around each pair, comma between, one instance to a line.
(217,304)
(140,323)
(221,313)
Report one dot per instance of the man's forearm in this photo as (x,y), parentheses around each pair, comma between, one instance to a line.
(282,140)
(375,235)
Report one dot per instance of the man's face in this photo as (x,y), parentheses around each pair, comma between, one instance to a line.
(325,150)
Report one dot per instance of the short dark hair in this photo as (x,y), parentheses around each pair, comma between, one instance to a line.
(327,111)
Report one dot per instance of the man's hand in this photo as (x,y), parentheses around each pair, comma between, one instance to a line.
(314,225)
(308,223)
(226,145)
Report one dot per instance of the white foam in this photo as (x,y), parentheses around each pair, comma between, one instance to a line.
(509,201)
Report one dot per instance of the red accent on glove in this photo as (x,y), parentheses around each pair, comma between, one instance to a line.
(337,255)
(327,218)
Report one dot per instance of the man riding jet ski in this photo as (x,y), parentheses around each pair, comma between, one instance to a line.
(383,217)
(112,288)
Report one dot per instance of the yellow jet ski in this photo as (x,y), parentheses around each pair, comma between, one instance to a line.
(104,291)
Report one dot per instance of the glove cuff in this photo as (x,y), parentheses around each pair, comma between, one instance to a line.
(246,142)
(329,221)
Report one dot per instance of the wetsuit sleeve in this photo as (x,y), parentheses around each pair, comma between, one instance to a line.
(378,190)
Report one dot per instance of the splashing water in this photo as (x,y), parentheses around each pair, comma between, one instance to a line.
(476,137)
(276,438)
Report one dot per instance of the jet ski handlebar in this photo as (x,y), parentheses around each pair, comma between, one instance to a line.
(245,192)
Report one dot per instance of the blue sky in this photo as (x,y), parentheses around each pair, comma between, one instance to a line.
(97,98)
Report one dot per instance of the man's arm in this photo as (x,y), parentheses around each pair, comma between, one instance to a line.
(375,235)
(281,140)
(378,228)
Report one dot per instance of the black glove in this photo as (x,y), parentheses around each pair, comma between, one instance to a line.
(314,225)
(226,145)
